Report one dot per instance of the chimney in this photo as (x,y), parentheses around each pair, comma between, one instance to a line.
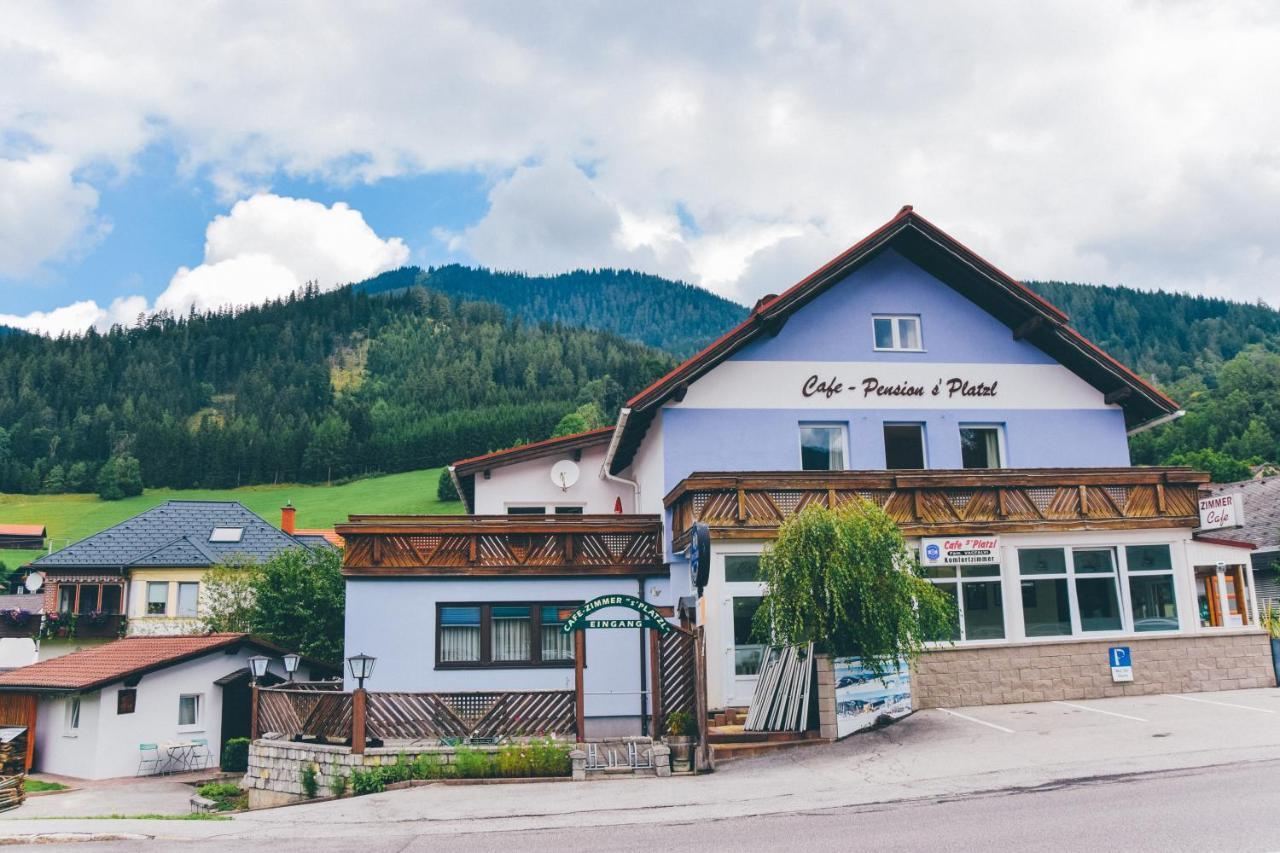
(286,518)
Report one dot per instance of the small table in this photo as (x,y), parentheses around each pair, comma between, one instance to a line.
(180,753)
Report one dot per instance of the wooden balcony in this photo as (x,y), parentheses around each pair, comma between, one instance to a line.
(751,505)
(500,545)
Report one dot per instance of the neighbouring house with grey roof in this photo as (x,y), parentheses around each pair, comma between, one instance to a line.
(145,575)
(1261,529)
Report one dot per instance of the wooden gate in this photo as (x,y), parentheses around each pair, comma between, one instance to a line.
(19,709)
(677,678)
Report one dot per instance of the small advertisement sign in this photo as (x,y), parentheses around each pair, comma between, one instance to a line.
(862,698)
(959,550)
(1221,511)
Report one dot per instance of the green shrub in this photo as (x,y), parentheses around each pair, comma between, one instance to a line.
(515,759)
(401,771)
(235,755)
(367,781)
(309,783)
(337,781)
(550,758)
(473,764)
(427,766)
(681,723)
(219,790)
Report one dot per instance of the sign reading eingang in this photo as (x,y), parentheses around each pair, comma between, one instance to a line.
(649,615)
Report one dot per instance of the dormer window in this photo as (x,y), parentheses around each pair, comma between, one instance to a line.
(899,332)
(226,534)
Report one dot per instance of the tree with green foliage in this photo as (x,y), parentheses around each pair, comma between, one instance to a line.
(120,478)
(229,597)
(1221,467)
(298,602)
(588,416)
(445,488)
(844,580)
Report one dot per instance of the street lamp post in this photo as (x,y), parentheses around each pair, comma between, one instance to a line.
(257,669)
(291,663)
(361,667)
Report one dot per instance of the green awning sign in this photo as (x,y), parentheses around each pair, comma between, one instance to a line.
(649,615)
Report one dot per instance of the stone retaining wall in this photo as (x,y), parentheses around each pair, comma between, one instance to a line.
(275,769)
(1071,669)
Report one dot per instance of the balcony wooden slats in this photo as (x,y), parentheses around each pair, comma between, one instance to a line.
(754,505)
(503,545)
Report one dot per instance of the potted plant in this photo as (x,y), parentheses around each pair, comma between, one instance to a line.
(1271,621)
(681,733)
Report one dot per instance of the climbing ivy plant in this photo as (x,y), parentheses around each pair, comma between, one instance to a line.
(845,580)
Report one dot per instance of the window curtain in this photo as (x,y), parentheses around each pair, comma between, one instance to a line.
(556,645)
(511,633)
(991,438)
(459,634)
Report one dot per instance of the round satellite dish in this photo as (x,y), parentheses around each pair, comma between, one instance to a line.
(564,474)
(34,581)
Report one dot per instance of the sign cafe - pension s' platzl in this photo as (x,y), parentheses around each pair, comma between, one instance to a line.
(908,371)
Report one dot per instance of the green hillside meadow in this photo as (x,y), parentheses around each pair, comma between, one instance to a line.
(73,517)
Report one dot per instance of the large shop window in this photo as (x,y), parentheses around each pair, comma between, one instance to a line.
(904,446)
(821,447)
(1151,590)
(897,332)
(502,635)
(979,601)
(980,446)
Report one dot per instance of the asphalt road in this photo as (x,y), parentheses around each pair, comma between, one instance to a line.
(1224,807)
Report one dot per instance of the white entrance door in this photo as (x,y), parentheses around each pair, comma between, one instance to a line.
(741,597)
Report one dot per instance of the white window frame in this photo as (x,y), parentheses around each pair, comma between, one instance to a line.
(198,725)
(896,337)
(841,429)
(959,582)
(924,442)
(178,603)
(146,601)
(1000,447)
(71,711)
(1172,572)
(1119,576)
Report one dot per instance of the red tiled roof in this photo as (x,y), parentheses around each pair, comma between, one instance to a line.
(537,448)
(101,665)
(21,529)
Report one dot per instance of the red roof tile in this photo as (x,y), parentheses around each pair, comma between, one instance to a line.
(536,448)
(101,665)
(21,529)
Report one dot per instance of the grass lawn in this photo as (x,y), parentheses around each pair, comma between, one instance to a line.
(73,517)
(34,785)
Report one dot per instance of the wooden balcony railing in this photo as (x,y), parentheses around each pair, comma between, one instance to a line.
(548,546)
(930,503)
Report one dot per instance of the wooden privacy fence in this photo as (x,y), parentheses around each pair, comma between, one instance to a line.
(359,716)
(677,677)
(468,715)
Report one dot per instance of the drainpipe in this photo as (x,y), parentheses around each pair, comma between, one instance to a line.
(608,460)
(457,487)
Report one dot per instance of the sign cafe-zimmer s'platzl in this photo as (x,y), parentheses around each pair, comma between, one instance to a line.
(909,372)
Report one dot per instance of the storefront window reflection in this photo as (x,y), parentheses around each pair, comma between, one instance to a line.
(1046,602)
(747,656)
(1151,589)
(976,592)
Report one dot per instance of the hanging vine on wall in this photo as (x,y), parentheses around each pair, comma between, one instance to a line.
(845,580)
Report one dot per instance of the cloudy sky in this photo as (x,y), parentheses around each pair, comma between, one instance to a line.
(165,155)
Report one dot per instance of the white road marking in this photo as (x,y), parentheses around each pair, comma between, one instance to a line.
(1222,704)
(976,720)
(1100,711)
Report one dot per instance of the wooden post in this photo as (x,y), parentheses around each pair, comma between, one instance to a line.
(655,684)
(358,704)
(579,708)
(253,712)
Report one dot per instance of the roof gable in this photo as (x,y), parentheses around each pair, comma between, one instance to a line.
(175,533)
(1027,315)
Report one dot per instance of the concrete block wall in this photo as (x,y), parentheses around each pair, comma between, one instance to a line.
(1047,671)
(826,696)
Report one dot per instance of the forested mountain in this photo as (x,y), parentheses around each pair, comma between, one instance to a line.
(670,315)
(389,375)
(315,387)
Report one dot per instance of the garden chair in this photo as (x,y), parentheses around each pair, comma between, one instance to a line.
(149,757)
(201,756)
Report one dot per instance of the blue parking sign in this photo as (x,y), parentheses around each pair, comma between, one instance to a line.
(1121,663)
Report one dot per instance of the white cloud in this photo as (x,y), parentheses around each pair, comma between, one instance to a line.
(44,213)
(266,247)
(1127,141)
